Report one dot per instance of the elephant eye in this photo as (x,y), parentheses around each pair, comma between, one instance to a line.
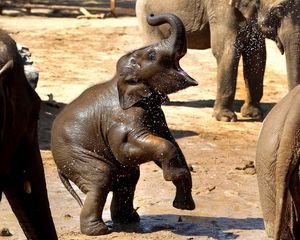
(152,55)
(132,61)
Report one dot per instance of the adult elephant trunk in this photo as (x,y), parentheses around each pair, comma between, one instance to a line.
(292,52)
(176,43)
(3,72)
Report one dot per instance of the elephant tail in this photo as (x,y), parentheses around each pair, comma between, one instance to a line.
(69,187)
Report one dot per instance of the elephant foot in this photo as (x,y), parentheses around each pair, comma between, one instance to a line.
(251,111)
(125,217)
(225,115)
(174,174)
(184,202)
(94,228)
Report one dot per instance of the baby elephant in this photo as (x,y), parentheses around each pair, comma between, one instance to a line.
(278,172)
(100,139)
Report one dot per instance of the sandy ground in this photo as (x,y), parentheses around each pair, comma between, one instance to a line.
(74,54)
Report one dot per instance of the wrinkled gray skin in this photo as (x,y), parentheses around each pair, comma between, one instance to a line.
(277,164)
(100,139)
(21,170)
(233,29)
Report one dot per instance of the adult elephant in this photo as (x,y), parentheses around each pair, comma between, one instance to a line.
(277,164)
(21,170)
(221,27)
(234,28)
(278,20)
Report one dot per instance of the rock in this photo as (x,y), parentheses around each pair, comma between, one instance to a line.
(51,102)
(31,72)
(191,168)
(210,189)
(250,171)
(248,168)
(5,232)
(68,216)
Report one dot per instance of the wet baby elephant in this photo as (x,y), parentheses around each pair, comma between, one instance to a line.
(278,170)
(101,138)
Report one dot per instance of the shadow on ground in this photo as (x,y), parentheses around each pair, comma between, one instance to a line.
(183,133)
(213,227)
(48,113)
(266,107)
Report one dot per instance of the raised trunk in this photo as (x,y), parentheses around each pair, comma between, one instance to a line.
(176,43)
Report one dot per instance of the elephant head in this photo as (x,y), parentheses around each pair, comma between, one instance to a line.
(155,68)
(279,20)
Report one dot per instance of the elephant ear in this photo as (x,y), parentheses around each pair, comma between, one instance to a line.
(247,7)
(131,91)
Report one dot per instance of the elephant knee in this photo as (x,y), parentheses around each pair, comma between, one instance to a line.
(166,151)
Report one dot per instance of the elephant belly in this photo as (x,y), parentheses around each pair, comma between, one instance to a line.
(199,39)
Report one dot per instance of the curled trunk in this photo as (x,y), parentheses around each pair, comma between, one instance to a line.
(176,43)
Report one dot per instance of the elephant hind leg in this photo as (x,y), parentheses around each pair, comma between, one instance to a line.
(91,222)
(122,210)
(98,185)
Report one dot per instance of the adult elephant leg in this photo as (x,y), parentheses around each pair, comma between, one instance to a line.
(254,62)
(227,56)
(122,210)
(26,193)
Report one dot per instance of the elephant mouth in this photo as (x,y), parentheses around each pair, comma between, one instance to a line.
(188,81)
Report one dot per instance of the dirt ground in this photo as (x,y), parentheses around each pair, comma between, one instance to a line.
(74,54)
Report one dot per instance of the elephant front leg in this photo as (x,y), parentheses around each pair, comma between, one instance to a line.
(91,222)
(122,210)
(227,60)
(140,146)
(254,61)
(183,199)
